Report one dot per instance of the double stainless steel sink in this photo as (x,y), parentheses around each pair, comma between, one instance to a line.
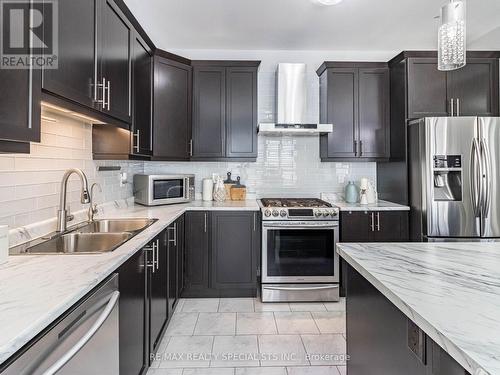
(98,236)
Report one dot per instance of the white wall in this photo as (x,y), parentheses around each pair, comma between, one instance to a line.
(30,184)
(286,166)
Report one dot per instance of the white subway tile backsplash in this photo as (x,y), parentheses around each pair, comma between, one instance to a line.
(30,184)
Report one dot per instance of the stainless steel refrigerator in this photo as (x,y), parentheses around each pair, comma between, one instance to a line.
(454,178)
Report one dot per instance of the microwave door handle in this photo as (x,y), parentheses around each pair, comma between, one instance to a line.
(186,188)
(113,300)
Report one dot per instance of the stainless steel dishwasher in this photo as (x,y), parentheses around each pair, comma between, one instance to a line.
(82,343)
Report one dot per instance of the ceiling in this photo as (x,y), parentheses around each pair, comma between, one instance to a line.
(302,25)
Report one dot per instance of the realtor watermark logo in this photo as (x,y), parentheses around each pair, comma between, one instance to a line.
(29,33)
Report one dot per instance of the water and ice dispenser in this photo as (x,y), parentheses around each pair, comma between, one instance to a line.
(447,177)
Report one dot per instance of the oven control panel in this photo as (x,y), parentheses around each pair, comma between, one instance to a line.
(327,213)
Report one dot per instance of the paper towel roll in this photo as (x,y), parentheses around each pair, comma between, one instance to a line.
(207,189)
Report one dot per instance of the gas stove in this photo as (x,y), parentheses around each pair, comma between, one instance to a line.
(297,209)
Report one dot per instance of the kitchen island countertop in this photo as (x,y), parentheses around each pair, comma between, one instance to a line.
(450,290)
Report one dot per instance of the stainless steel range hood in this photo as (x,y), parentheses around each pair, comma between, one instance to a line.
(291,103)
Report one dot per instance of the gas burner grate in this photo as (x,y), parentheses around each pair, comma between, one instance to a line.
(294,202)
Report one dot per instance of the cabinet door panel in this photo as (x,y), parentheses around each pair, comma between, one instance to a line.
(197,251)
(355,226)
(374,113)
(209,112)
(132,281)
(20,105)
(74,77)
(427,89)
(342,111)
(241,112)
(142,123)
(390,226)
(172,110)
(180,256)
(234,235)
(172,266)
(115,59)
(476,87)
(158,294)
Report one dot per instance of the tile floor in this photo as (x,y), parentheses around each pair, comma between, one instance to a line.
(242,336)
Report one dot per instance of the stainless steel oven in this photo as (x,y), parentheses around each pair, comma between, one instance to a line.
(299,261)
(154,190)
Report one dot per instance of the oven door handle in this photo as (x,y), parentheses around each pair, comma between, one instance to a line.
(300,226)
(300,287)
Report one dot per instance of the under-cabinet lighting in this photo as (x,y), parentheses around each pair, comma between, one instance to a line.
(70,113)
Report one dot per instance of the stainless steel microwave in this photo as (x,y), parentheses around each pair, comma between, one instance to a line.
(155,190)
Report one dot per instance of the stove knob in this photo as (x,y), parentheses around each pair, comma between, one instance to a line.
(283,213)
(326,213)
(276,213)
(333,213)
(317,213)
(267,213)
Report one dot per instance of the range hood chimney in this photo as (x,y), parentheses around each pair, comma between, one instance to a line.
(291,103)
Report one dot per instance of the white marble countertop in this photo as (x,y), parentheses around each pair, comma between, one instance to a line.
(36,289)
(379,206)
(450,290)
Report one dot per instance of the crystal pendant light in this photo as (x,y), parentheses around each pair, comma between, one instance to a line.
(451,36)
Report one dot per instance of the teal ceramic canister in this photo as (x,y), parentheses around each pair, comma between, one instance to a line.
(351,192)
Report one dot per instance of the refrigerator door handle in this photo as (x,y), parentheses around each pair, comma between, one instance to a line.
(486,177)
(475,180)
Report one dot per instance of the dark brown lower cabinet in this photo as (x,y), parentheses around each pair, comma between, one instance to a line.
(222,253)
(132,283)
(175,244)
(235,242)
(197,249)
(374,226)
(158,290)
(381,340)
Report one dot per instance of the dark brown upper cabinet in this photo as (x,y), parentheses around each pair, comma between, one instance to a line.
(224,110)
(469,91)
(474,88)
(94,74)
(19,109)
(354,97)
(142,89)
(114,61)
(75,76)
(172,108)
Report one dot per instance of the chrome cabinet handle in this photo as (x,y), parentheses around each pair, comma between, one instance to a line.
(108,104)
(452,107)
(355,148)
(190,147)
(254,222)
(137,135)
(372,223)
(113,300)
(458,107)
(157,254)
(378,221)
(96,93)
(206,222)
(360,148)
(174,238)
